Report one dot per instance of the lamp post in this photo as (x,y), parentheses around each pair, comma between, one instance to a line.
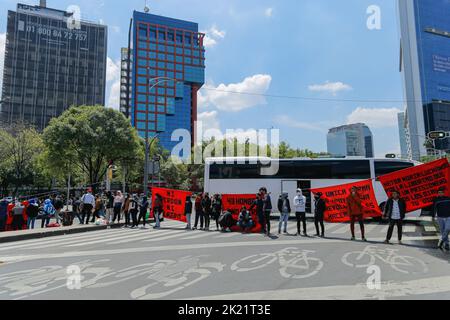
(148,145)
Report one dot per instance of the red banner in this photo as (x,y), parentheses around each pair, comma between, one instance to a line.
(419,185)
(336,200)
(234,202)
(174,203)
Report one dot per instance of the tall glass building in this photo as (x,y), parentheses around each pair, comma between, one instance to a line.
(52,62)
(425,61)
(165,48)
(352,140)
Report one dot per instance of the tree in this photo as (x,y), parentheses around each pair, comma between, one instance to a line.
(87,139)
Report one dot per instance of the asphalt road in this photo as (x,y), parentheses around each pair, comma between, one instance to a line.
(172,263)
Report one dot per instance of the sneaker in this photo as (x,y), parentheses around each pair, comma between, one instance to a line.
(441,245)
(317,235)
(400,242)
(322,236)
(364,239)
(353,239)
(386,242)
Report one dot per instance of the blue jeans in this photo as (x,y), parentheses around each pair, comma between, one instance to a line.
(284,218)
(444,226)
(30,223)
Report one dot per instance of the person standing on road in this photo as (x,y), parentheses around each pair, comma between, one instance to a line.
(88,202)
(216,209)
(134,209)
(117,206)
(126,210)
(188,212)
(206,205)
(395,211)
(48,211)
(300,211)
(109,206)
(259,205)
(158,210)
(267,209)
(3,214)
(59,205)
(441,210)
(143,208)
(319,214)
(98,207)
(355,211)
(32,213)
(198,211)
(284,208)
(76,208)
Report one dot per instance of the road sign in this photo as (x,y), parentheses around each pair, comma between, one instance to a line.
(437,135)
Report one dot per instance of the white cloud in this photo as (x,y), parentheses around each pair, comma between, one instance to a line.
(212,36)
(287,121)
(235,97)
(268,12)
(330,87)
(2,57)
(113,83)
(209,120)
(375,118)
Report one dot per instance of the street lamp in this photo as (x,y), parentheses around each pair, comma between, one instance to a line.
(148,145)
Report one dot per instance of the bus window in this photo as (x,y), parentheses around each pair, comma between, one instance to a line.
(386,167)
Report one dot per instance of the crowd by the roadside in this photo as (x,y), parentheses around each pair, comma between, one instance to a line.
(133,209)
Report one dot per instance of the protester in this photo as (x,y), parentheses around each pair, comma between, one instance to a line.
(126,210)
(259,205)
(76,208)
(300,211)
(395,210)
(226,221)
(188,212)
(198,211)
(319,214)
(3,214)
(158,210)
(284,207)
(17,212)
(134,210)
(109,206)
(98,208)
(32,213)
(216,209)
(118,204)
(206,206)
(355,211)
(441,210)
(88,202)
(59,205)
(245,220)
(48,211)
(267,209)
(143,208)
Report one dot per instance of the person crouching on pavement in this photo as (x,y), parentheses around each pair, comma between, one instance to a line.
(395,210)
(245,220)
(355,211)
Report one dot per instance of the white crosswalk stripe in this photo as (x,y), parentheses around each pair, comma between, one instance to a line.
(409,229)
(227,235)
(145,236)
(342,229)
(198,235)
(131,235)
(176,235)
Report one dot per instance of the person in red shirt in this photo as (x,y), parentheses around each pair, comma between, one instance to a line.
(355,211)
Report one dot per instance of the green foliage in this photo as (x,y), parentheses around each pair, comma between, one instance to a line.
(87,138)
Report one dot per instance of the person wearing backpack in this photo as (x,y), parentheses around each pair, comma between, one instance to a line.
(143,208)
(198,212)
(32,213)
(134,209)
(48,212)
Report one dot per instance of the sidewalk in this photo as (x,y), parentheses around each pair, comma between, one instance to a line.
(11,236)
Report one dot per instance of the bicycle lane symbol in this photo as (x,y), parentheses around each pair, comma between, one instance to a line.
(371,254)
(294,263)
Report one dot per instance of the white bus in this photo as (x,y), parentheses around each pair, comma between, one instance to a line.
(245,175)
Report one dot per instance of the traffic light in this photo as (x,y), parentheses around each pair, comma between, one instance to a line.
(437,135)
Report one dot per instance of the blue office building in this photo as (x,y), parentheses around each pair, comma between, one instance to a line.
(168,69)
(425,61)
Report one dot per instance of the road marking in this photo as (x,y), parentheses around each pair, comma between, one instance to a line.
(175,235)
(228,235)
(207,246)
(198,236)
(342,230)
(389,290)
(142,236)
(430,229)
(409,229)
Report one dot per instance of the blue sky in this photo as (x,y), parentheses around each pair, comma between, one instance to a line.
(319,49)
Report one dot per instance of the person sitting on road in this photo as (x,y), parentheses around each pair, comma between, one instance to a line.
(245,220)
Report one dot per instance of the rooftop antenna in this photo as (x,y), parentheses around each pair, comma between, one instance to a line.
(146,8)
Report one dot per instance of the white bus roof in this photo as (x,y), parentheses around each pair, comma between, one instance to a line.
(266,159)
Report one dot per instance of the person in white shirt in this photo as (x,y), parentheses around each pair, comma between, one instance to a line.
(88,201)
(300,211)
(117,206)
